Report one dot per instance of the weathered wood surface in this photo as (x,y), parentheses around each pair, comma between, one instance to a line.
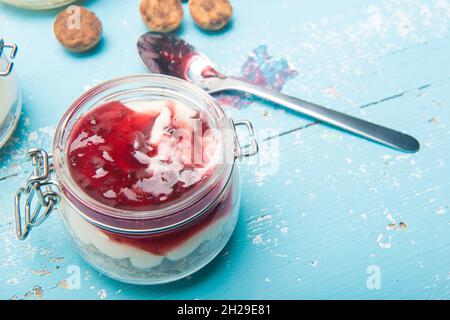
(335,208)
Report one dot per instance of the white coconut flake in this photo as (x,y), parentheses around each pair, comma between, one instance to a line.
(142,157)
(384,245)
(107,156)
(161,123)
(82,140)
(110,194)
(99,173)
(129,194)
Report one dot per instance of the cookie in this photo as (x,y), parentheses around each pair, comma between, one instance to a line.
(77,29)
(211,14)
(161,15)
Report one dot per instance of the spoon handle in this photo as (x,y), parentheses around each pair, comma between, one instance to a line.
(372,131)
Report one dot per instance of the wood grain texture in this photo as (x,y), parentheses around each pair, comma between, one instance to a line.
(317,202)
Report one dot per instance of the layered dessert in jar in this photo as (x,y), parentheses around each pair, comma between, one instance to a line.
(149,188)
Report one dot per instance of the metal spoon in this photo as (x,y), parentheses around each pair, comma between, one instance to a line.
(171,55)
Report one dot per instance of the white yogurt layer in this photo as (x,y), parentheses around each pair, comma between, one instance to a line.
(91,235)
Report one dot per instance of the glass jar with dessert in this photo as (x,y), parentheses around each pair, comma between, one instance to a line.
(10,97)
(144,173)
(38,4)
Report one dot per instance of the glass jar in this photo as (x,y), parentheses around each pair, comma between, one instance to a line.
(38,4)
(10,97)
(158,245)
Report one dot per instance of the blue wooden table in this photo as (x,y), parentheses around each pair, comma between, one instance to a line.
(324,214)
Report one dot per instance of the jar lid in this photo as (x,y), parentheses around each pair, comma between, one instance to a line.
(5,65)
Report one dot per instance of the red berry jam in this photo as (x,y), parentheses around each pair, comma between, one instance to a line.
(130,158)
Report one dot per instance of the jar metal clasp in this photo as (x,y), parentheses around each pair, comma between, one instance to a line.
(38,198)
(253,147)
(12,55)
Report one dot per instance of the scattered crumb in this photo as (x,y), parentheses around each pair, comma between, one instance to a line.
(12,281)
(331,92)
(264,217)
(435,120)
(102,294)
(57,259)
(384,245)
(41,272)
(33,136)
(403,225)
(257,239)
(314,263)
(391,226)
(63,284)
(284,230)
(37,292)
